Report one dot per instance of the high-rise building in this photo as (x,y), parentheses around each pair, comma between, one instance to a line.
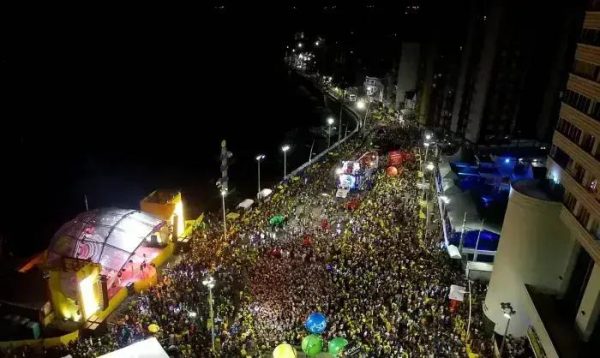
(511,72)
(407,71)
(574,162)
(547,267)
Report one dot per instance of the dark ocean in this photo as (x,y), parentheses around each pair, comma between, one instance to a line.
(114,112)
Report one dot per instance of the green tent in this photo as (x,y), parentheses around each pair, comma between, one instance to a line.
(277,220)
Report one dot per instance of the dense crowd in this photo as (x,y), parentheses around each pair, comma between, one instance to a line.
(382,283)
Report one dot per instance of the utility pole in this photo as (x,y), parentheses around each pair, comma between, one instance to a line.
(341,111)
(223,182)
(477,242)
(462,235)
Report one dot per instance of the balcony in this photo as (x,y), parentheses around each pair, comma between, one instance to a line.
(587,53)
(575,152)
(581,120)
(585,239)
(588,88)
(591,20)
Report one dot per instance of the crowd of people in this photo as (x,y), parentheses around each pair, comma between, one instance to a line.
(372,269)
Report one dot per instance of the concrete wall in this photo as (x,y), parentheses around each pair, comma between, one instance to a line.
(535,248)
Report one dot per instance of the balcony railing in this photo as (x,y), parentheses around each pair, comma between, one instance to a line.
(585,238)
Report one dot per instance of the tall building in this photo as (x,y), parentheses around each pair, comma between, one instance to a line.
(407,71)
(548,263)
(574,162)
(510,72)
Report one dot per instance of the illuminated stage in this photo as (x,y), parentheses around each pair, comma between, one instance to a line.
(131,276)
(93,263)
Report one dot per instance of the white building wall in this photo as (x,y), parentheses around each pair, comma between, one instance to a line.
(535,248)
(589,308)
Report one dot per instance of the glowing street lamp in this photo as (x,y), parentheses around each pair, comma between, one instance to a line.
(426,145)
(210,283)
(428,136)
(430,166)
(284,149)
(508,313)
(361,105)
(258,159)
(330,121)
(299,44)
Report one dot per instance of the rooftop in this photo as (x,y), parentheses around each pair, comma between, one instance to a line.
(542,189)
(162,196)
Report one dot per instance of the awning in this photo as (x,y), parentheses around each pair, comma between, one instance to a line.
(457,293)
(148,348)
(453,252)
(246,204)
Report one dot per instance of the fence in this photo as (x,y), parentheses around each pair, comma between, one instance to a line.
(330,148)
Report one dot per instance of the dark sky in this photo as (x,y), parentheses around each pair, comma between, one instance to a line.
(113,102)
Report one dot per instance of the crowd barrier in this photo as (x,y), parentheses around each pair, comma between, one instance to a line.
(43,342)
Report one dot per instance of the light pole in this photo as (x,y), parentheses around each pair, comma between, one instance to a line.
(361,105)
(284,149)
(223,195)
(470,306)
(426,145)
(210,283)
(508,313)
(429,167)
(341,111)
(367,113)
(258,159)
(330,121)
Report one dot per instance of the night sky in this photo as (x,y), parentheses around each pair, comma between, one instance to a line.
(115,103)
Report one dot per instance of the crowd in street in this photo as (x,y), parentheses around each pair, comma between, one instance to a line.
(378,276)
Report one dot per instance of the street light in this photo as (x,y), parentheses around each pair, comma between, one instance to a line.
(360,105)
(299,44)
(210,283)
(430,166)
(508,313)
(284,149)
(223,195)
(426,145)
(258,159)
(330,121)
(428,136)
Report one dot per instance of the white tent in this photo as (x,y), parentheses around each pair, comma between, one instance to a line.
(246,204)
(264,193)
(149,348)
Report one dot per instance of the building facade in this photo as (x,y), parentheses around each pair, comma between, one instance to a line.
(548,261)
(574,162)
(510,72)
